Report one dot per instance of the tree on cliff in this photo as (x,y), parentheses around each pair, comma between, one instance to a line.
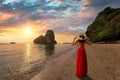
(106,26)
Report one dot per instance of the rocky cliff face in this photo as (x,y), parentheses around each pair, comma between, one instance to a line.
(106,26)
(49,38)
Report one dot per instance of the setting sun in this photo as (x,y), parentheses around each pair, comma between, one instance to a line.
(28,31)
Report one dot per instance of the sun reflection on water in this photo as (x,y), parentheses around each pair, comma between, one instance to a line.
(27,56)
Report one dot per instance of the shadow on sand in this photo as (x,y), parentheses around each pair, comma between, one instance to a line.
(85,78)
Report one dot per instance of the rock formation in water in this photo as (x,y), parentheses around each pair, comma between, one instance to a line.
(49,38)
(106,26)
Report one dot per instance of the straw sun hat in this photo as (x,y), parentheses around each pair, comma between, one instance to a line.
(81,36)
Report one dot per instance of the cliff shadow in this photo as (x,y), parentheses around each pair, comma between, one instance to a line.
(49,49)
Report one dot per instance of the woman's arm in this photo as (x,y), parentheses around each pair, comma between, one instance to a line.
(74,41)
(88,41)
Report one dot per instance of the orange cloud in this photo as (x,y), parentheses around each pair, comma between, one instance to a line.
(86,14)
(85,1)
(5,16)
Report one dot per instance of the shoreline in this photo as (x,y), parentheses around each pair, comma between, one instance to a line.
(107,42)
(103,64)
(58,67)
(38,68)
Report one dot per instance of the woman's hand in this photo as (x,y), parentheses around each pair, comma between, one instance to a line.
(75,37)
(74,40)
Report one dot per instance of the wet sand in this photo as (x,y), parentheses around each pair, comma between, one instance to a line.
(103,64)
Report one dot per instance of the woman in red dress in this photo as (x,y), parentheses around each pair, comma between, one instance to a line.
(81,62)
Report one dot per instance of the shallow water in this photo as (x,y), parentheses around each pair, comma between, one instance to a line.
(17,58)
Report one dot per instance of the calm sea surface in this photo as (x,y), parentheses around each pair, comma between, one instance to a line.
(18,58)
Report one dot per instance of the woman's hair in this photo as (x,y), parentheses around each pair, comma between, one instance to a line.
(81,38)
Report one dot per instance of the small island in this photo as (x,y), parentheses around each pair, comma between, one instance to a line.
(49,38)
(12,42)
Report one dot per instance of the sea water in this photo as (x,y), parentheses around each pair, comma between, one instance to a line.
(18,58)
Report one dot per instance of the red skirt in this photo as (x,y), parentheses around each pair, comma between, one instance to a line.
(81,63)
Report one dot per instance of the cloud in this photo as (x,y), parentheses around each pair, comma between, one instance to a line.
(11,20)
(98,4)
(36,10)
(6,16)
(63,16)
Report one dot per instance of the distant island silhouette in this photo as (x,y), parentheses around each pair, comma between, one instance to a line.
(12,42)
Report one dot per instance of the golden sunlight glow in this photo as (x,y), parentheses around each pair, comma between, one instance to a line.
(28,31)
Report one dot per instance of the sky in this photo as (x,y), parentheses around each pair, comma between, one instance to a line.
(24,20)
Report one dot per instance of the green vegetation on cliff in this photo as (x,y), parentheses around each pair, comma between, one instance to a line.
(106,26)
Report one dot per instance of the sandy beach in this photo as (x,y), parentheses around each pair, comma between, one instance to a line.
(103,64)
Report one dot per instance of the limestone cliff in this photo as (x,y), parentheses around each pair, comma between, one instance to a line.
(49,38)
(106,26)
